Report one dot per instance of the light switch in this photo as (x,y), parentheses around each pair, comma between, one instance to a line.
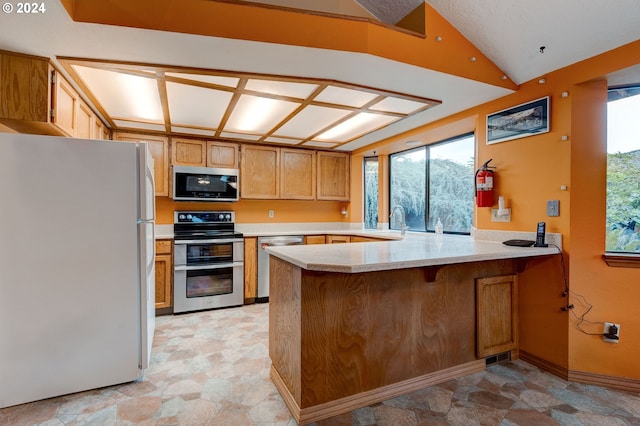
(553,208)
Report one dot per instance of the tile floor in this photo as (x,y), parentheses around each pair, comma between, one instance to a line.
(212,368)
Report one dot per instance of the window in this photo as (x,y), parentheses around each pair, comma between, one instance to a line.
(623,170)
(371,193)
(435,182)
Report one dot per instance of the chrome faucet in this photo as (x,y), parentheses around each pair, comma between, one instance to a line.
(403,226)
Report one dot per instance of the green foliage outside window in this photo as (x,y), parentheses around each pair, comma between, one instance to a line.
(623,202)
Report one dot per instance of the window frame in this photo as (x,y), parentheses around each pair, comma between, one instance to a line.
(427,148)
(364,190)
(621,259)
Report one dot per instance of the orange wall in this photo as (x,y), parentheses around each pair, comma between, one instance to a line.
(531,171)
(257,211)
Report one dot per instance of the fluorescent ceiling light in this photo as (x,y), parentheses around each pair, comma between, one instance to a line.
(196,106)
(124,95)
(282,88)
(239,106)
(256,114)
(311,120)
(403,106)
(357,125)
(342,96)
(212,79)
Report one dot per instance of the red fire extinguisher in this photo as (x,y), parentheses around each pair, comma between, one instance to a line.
(484,185)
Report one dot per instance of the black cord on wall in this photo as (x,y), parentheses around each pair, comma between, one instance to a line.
(570,307)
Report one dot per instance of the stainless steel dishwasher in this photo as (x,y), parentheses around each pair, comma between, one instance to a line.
(263,260)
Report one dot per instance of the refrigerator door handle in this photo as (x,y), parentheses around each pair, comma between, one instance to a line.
(146,291)
(147,185)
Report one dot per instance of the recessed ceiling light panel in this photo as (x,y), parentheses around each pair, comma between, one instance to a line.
(123,95)
(311,120)
(403,106)
(282,88)
(255,114)
(355,126)
(343,96)
(196,106)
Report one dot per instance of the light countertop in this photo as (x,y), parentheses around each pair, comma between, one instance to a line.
(414,250)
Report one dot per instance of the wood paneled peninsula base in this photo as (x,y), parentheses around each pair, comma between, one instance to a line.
(339,341)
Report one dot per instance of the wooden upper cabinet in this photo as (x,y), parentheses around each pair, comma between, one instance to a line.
(98,130)
(297,174)
(222,154)
(333,176)
(24,88)
(260,172)
(85,118)
(35,98)
(201,153)
(188,152)
(159,149)
(65,106)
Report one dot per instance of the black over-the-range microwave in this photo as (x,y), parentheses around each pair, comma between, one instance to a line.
(205,184)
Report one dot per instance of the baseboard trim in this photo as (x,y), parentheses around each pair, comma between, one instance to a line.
(588,378)
(344,405)
(545,365)
(621,383)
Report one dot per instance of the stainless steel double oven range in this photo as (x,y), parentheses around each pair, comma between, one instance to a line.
(208,261)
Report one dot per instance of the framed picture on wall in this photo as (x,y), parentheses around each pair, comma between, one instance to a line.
(528,119)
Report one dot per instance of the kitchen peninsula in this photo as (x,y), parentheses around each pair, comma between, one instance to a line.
(354,324)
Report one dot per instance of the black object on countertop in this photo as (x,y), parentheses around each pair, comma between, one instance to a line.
(519,243)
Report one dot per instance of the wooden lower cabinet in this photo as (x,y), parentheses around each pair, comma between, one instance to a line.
(337,239)
(250,269)
(314,239)
(359,239)
(164,276)
(497,315)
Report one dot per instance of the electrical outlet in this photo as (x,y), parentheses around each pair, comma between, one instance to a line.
(271,214)
(607,326)
(495,217)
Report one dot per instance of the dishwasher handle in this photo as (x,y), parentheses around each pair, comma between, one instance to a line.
(281,241)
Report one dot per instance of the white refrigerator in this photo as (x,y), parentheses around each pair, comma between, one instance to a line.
(77,279)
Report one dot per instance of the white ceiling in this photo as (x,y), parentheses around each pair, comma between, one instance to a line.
(509,33)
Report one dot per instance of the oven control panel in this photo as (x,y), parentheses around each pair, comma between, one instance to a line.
(204,217)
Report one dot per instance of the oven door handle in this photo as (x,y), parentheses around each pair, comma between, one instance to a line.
(214,241)
(203,267)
